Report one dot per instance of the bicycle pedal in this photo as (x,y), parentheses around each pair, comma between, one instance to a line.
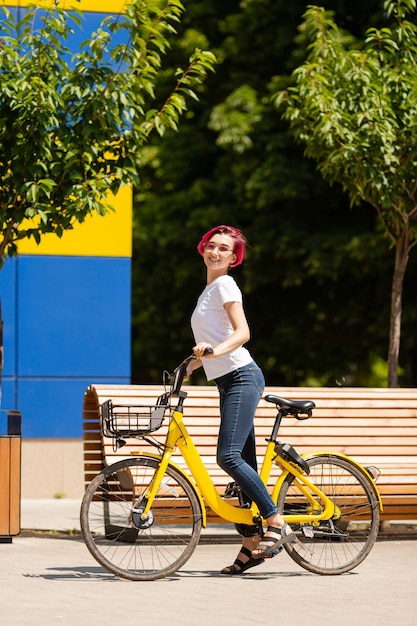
(274,553)
(232,491)
(308,532)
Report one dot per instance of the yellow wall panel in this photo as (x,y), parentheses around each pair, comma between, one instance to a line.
(99,6)
(97,236)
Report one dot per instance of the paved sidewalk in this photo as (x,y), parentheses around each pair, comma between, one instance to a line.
(50,514)
(47,580)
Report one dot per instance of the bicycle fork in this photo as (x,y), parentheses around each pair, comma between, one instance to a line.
(141,514)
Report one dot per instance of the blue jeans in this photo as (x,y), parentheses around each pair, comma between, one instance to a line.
(240,392)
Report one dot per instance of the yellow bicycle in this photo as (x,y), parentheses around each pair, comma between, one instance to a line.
(141,517)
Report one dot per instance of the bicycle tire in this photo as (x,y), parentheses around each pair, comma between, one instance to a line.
(120,540)
(339,544)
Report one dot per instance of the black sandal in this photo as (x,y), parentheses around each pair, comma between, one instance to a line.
(267,552)
(238,567)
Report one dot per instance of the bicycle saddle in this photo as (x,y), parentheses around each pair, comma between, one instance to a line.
(292,407)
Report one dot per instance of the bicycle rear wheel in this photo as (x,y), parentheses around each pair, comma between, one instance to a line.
(339,544)
(115,533)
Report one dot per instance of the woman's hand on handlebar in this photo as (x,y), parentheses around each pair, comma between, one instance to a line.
(203,349)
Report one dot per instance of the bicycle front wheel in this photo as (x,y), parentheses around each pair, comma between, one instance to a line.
(124,543)
(339,544)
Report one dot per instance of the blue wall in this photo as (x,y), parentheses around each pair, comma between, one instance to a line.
(66,325)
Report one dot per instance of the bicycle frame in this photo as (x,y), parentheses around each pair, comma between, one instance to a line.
(141,519)
(178,437)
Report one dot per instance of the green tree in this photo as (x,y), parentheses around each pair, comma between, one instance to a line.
(72,128)
(316,271)
(355,109)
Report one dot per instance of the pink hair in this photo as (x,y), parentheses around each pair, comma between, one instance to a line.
(240,241)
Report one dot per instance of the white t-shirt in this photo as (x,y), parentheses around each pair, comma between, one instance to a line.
(211,324)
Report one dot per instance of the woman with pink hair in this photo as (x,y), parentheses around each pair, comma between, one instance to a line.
(219,323)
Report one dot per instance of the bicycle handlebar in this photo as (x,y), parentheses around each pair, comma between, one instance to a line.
(179,372)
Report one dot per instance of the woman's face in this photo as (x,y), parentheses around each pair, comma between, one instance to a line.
(218,252)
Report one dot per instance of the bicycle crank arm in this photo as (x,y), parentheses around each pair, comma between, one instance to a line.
(311,533)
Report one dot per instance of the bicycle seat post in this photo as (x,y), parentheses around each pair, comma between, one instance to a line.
(277,424)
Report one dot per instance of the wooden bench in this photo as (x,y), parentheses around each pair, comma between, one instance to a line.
(374,426)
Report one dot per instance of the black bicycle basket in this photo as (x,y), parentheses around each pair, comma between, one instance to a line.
(125,420)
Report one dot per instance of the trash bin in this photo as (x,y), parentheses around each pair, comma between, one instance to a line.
(10,473)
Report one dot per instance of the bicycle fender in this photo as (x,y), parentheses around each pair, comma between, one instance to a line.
(179,469)
(360,467)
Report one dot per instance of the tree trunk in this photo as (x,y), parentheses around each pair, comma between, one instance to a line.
(3,244)
(401,259)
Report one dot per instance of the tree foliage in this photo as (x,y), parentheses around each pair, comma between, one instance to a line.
(73,126)
(355,109)
(317,271)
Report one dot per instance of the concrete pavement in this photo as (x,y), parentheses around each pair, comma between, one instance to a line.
(47,580)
